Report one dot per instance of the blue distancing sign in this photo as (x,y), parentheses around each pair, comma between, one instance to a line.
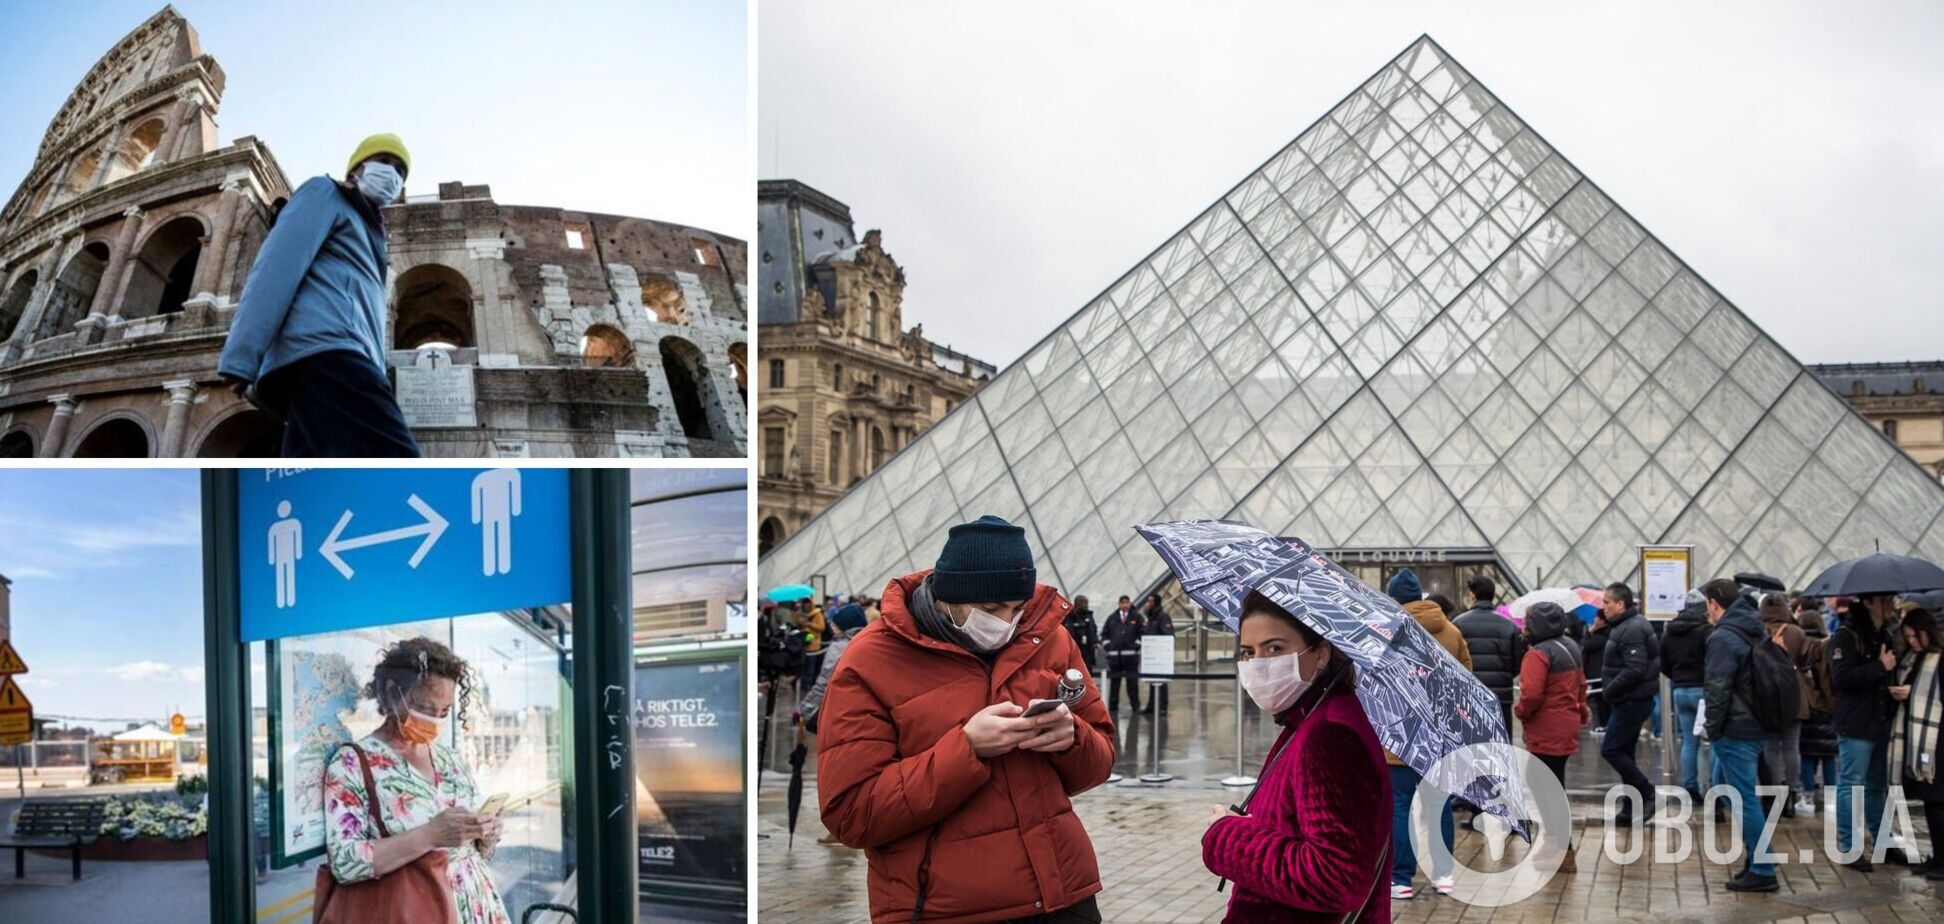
(330,549)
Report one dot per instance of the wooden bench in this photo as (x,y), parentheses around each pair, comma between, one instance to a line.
(50,824)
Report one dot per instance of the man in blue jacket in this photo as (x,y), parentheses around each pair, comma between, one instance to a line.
(308,340)
(1737,735)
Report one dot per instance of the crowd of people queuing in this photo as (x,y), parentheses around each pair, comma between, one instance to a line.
(957,715)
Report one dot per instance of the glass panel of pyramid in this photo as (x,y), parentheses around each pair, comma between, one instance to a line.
(1416,326)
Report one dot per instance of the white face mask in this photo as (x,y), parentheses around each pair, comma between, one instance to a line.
(1274,683)
(380,182)
(987,631)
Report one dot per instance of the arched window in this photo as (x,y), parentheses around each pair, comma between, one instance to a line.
(249,434)
(836,456)
(662,296)
(769,535)
(80,176)
(120,438)
(164,270)
(14,304)
(697,405)
(871,318)
(434,309)
(877,448)
(837,378)
(74,290)
(603,346)
(137,151)
(17,445)
(739,362)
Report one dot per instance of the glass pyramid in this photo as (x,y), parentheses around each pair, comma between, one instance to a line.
(1416,326)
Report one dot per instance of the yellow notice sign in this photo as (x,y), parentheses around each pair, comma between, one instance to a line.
(10,662)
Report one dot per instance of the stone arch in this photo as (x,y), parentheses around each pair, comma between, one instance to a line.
(432,306)
(138,150)
(164,268)
(74,290)
(117,436)
(768,535)
(17,443)
(80,175)
(697,405)
(662,296)
(247,433)
(878,451)
(605,346)
(13,305)
(739,362)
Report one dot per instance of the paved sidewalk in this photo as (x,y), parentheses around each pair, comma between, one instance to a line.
(1148,840)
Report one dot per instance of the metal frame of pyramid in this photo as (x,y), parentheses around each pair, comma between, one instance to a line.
(1417,325)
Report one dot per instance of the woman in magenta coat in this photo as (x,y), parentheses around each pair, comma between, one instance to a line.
(1315,842)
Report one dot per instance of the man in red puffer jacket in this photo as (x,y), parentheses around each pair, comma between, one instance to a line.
(925,760)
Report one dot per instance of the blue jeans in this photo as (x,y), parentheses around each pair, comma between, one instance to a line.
(1811,783)
(1404,784)
(1860,763)
(1687,703)
(1735,760)
(1655,721)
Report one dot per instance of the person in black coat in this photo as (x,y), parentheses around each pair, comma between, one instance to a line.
(1735,733)
(1120,639)
(1497,644)
(1818,739)
(1683,652)
(1861,658)
(1629,679)
(1080,624)
(1156,621)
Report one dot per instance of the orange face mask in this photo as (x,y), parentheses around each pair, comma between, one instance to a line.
(418,728)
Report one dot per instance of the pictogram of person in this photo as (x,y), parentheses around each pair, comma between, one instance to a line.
(286,547)
(495,502)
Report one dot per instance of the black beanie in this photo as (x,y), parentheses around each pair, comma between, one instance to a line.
(984,561)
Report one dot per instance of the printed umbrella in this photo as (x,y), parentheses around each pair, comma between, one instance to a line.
(1422,703)
(791,593)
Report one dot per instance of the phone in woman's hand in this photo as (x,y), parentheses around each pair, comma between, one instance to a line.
(493,806)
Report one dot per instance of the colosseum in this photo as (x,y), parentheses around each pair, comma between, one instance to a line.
(515,330)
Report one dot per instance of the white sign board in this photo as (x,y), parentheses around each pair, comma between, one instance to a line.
(1664,581)
(435,393)
(1157,654)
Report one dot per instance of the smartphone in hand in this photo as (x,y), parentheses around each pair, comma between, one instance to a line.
(1039,707)
(493,806)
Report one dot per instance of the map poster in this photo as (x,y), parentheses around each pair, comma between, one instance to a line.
(689,808)
(1664,581)
(315,686)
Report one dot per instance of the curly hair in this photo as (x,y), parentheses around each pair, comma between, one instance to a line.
(401,667)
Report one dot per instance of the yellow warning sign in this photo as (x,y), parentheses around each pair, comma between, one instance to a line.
(16,714)
(10,662)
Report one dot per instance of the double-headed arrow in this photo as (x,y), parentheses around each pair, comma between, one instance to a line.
(433,527)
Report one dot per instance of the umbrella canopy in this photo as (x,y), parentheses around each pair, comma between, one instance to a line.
(1422,703)
(1565,598)
(1879,573)
(1760,581)
(791,593)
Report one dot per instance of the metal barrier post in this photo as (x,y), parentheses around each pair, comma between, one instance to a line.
(1240,778)
(1154,774)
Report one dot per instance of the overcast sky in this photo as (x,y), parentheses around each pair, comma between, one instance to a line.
(1020,158)
(632,107)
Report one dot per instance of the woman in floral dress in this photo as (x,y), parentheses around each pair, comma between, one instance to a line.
(425,789)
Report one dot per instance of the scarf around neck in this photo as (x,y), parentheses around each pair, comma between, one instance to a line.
(1913,752)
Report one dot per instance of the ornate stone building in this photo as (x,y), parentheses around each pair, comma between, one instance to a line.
(845,385)
(516,330)
(1904,400)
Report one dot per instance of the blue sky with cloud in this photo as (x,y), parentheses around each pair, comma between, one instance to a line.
(631,107)
(107,589)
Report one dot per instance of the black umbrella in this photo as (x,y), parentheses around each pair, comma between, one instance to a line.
(796,786)
(1879,573)
(1760,581)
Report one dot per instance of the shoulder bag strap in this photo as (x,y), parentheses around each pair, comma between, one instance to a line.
(372,807)
(1383,863)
